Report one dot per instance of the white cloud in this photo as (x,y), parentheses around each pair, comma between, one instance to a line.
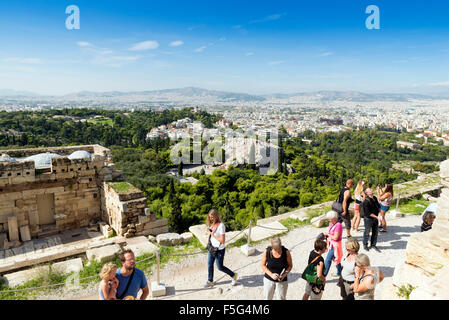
(83,44)
(326,54)
(200,49)
(273,63)
(271,17)
(248,54)
(145,45)
(176,43)
(126,58)
(113,61)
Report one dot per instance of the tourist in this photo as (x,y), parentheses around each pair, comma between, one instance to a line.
(347,273)
(109,283)
(359,197)
(371,219)
(315,291)
(216,247)
(276,263)
(385,197)
(130,278)
(428,219)
(334,245)
(345,199)
(366,278)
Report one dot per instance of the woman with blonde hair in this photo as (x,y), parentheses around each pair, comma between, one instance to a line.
(276,263)
(366,278)
(347,276)
(109,283)
(216,247)
(359,197)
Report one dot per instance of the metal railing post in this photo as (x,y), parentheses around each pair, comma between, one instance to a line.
(249,232)
(158,261)
(397,201)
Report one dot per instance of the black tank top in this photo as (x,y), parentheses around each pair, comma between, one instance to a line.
(341,197)
(276,265)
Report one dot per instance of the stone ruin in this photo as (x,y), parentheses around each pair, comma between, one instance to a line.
(426,266)
(46,191)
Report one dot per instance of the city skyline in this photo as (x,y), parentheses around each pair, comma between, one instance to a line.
(282,47)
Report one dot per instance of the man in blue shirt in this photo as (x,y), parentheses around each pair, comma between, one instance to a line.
(124,274)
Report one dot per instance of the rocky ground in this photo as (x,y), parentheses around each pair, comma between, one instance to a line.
(185,280)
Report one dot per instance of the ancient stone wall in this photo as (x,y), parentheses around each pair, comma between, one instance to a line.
(127,213)
(72,189)
(427,255)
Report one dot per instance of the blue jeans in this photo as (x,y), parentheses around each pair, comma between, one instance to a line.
(328,261)
(219,257)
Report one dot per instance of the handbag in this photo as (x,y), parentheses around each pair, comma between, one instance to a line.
(212,250)
(310,275)
(337,207)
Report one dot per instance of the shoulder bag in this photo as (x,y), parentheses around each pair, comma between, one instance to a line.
(310,274)
(127,286)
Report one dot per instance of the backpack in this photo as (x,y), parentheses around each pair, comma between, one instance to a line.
(361,211)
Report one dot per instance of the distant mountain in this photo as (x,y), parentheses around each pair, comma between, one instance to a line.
(198,95)
(351,96)
(168,95)
(15,93)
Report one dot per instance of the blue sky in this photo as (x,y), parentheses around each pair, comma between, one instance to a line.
(248,46)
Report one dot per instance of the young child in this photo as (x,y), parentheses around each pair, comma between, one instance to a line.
(313,291)
(108,283)
(428,219)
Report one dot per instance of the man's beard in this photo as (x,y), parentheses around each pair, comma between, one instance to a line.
(129,268)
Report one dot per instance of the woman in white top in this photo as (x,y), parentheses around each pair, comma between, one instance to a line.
(216,230)
(347,276)
(366,278)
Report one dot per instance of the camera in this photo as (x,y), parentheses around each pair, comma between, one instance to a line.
(321,236)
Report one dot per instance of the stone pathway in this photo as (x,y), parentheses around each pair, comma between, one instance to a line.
(184,280)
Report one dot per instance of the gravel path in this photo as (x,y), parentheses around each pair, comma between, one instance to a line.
(185,280)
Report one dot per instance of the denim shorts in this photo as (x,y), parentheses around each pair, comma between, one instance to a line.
(384,208)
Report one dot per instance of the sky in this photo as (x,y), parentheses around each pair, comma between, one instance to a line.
(256,47)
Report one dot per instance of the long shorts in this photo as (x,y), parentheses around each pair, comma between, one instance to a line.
(346,220)
(313,296)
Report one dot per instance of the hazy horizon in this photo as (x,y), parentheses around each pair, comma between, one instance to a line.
(14,92)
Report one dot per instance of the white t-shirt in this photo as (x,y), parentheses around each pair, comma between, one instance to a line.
(221,229)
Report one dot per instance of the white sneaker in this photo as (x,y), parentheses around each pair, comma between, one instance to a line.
(234,279)
(208,284)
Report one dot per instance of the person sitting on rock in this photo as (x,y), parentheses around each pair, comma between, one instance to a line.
(428,219)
